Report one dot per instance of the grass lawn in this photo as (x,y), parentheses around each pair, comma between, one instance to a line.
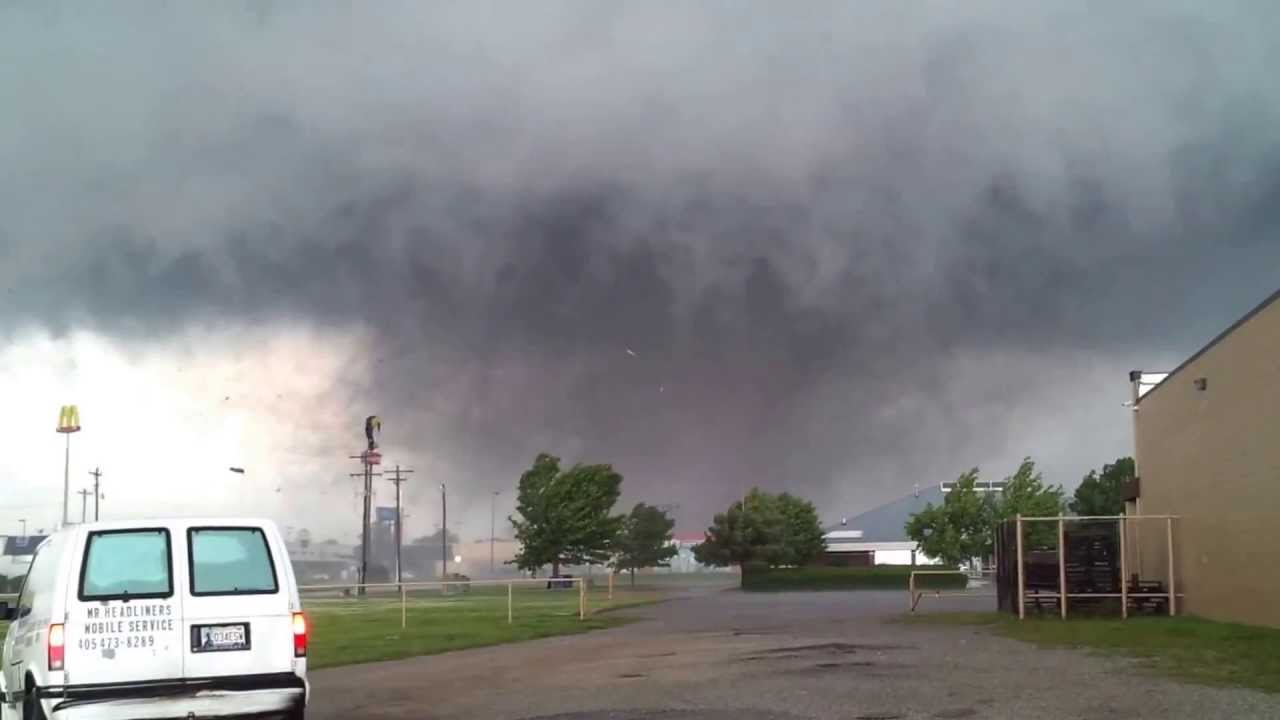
(344,632)
(1187,648)
(349,631)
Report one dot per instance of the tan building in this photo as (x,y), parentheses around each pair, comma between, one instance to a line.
(1207,442)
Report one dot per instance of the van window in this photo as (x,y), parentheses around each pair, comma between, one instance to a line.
(230,561)
(121,564)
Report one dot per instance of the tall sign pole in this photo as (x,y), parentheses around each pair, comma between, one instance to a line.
(68,422)
(399,519)
(368,459)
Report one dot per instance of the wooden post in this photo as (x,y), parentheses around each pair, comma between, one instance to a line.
(582,599)
(1022,599)
(911,591)
(610,585)
(403,612)
(1062,568)
(508,603)
(1173,589)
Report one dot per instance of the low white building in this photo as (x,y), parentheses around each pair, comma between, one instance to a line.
(879,536)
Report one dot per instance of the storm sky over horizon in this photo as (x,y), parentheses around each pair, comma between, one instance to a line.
(833,248)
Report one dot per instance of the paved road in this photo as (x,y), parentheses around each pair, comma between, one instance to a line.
(732,655)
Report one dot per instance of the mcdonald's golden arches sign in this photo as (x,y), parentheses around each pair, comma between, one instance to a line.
(69,419)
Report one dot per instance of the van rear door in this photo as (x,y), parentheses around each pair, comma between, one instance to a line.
(124,615)
(237,616)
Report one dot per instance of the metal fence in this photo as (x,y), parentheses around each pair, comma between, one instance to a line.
(979,586)
(408,592)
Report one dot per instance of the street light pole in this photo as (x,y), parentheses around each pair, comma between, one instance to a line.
(444,533)
(493,505)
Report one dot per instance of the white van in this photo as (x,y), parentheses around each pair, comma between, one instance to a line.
(157,619)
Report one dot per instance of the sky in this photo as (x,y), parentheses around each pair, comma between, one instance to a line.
(832,248)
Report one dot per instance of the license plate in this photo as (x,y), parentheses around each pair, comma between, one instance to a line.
(218,638)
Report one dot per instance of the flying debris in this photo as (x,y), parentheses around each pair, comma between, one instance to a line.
(238,470)
(631,352)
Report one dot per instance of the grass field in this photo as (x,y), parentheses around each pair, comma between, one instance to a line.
(1187,648)
(348,631)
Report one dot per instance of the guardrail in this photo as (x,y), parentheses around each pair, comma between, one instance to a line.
(914,596)
(353,591)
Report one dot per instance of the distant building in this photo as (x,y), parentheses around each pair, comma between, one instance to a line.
(322,563)
(879,537)
(17,553)
(684,561)
(1207,450)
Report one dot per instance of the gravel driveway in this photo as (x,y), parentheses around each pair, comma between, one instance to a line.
(724,655)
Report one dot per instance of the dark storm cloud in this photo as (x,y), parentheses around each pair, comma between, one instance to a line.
(851,245)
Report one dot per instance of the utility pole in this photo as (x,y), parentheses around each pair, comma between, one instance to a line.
(399,519)
(97,495)
(493,504)
(444,533)
(84,503)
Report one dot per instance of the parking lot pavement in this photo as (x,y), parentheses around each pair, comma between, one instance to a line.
(772,655)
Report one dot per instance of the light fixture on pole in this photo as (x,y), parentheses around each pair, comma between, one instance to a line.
(68,422)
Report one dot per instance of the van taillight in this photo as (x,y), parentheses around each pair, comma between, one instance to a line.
(57,647)
(299,635)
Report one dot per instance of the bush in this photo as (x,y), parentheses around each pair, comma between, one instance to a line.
(881,577)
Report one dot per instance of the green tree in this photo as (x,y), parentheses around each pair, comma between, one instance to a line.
(773,529)
(961,528)
(645,540)
(564,515)
(803,540)
(1026,494)
(1100,493)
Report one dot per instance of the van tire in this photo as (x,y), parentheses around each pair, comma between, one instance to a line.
(31,707)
